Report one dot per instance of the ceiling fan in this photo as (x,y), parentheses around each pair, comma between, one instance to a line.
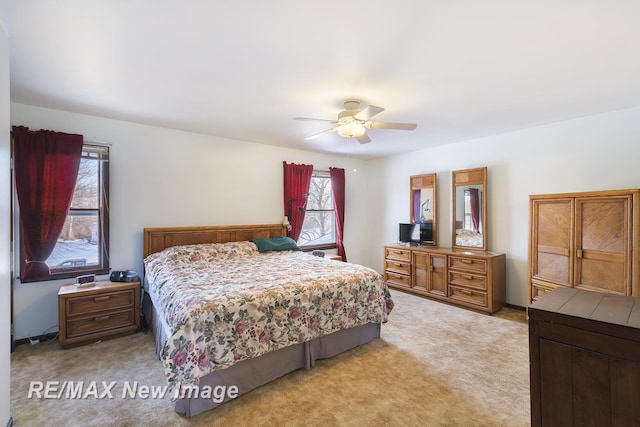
(353,122)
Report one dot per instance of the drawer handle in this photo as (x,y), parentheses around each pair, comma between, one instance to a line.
(102,298)
(466,292)
(467,276)
(101,318)
(466,261)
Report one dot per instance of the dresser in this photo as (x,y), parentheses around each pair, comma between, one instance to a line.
(466,278)
(97,311)
(584,351)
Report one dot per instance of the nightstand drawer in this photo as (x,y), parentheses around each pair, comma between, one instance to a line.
(469,264)
(469,280)
(95,303)
(100,323)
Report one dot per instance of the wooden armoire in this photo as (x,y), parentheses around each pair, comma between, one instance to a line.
(584,241)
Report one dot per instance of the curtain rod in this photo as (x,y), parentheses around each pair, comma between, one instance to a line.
(100,143)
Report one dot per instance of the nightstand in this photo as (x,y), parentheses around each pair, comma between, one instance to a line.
(98,311)
(334,257)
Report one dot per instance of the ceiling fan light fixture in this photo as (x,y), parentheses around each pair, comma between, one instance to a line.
(352,130)
(354,121)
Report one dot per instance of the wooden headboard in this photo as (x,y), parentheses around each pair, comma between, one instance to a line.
(157,239)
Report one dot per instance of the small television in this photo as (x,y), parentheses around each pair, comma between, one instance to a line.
(409,233)
(426,232)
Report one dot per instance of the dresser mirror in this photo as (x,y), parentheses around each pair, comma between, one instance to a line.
(423,206)
(469,201)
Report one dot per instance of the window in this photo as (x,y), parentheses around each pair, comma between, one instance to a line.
(319,226)
(467,210)
(83,245)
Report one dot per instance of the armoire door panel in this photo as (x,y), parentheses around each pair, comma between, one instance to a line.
(554,223)
(553,267)
(603,224)
(595,274)
(552,240)
(602,244)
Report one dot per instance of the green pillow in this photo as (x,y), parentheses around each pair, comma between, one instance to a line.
(278,243)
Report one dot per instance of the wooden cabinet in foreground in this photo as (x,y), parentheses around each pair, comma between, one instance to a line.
(585,363)
(471,279)
(584,241)
(98,311)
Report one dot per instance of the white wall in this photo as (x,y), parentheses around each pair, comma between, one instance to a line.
(599,152)
(162,177)
(5,239)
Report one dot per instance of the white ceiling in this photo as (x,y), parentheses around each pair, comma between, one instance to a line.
(460,69)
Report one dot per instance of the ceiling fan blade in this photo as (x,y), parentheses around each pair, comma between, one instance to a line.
(324,132)
(368,112)
(391,125)
(314,120)
(363,139)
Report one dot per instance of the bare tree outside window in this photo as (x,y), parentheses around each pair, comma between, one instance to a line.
(319,226)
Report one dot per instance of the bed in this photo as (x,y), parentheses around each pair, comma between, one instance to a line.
(228,313)
(468,238)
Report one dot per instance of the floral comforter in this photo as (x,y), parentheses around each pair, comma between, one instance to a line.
(227,302)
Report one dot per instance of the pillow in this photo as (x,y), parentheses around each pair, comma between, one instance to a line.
(278,243)
(206,251)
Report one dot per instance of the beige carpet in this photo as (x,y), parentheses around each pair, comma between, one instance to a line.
(434,365)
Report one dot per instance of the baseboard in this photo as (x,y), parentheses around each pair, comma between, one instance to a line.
(516,307)
(39,338)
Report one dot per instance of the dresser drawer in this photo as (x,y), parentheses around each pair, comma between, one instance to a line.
(100,323)
(397,266)
(395,279)
(468,295)
(538,290)
(96,303)
(468,264)
(469,280)
(397,254)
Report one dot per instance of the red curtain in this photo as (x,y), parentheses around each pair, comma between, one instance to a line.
(46,167)
(474,202)
(297,179)
(337,186)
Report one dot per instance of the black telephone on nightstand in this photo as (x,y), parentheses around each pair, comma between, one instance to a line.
(123,276)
